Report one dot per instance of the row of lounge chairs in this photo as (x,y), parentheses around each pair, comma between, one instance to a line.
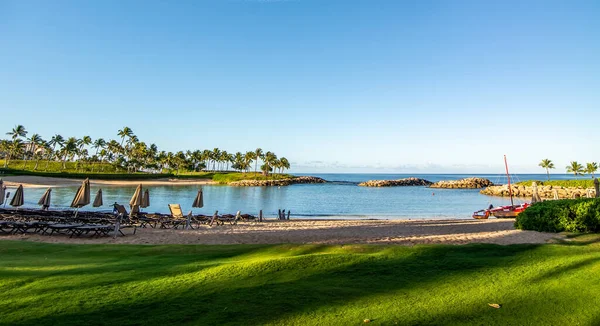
(103,224)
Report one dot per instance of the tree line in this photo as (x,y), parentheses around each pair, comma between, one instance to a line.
(575,167)
(130,154)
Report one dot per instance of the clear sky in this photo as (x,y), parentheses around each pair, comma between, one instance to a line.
(339,86)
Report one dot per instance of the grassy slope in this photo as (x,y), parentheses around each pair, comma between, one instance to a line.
(71,171)
(45,284)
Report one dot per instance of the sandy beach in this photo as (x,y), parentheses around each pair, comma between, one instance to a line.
(44,182)
(401,232)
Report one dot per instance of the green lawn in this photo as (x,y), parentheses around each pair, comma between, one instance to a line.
(49,284)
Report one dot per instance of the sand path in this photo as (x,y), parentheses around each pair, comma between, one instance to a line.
(29,181)
(403,232)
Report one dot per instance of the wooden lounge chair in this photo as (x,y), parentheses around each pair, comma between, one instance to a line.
(177,218)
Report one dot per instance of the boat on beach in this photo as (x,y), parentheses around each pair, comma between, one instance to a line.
(509,211)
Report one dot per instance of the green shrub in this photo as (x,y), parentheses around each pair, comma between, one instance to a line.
(571,215)
(583,183)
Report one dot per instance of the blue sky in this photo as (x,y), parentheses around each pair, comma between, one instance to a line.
(336,86)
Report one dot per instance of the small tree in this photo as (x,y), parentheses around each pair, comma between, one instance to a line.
(591,168)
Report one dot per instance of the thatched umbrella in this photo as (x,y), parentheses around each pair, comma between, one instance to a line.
(17,199)
(535,197)
(2,190)
(145,199)
(82,197)
(98,200)
(45,200)
(199,200)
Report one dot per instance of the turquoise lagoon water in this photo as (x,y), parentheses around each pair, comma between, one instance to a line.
(339,198)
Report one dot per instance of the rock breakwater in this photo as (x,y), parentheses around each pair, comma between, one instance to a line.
(281,182)
(396,183)
(467,183)
(544,191)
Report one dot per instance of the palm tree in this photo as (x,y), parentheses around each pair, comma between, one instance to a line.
(285,164)
(248,158)
(547,164)
(98,145)
(258,154)
(5,148)
(38,155)
(591,168)
(575,168)
(18,131)
(35,141)
(216,155)
(15,147)
(269,159)
(55,140)
(125,132)
(69,149)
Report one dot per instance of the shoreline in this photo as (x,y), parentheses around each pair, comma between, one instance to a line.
(29,181)
(334,232)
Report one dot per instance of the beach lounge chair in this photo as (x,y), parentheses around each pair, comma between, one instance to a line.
(177,218)
(123,220)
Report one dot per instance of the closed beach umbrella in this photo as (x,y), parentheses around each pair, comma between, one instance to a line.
(82,197)
(98,200)
(535,197)
(145,199)
(17,199)
(45,200)
(2,194)
(136,199)
(199,201)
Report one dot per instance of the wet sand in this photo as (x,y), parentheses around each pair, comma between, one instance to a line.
(402,232)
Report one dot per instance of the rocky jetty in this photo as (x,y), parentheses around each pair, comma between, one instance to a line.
(467,183)
(281,182)
(396,183)
(543,191)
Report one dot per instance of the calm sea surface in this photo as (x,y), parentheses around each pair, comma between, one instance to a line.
(341,197)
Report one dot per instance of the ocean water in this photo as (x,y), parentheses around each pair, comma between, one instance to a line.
(339,198)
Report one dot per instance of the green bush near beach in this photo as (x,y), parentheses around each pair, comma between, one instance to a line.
(571,215)
(54,284)
(584,183)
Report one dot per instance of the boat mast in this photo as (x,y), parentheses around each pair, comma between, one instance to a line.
(509,188)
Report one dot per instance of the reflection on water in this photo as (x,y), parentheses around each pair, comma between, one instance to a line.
(318,200)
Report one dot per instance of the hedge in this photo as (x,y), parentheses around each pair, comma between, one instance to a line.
(571,215)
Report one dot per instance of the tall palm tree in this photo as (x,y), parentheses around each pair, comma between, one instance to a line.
(591,168)
(39,154)
(98,145)
(248,158)
(5,149)
(575,168)
(285,164)
(269,160)
(15,147)
(18,131)
(69,149)
(35,141)
(55,140)
(216,155)
(547,164)
(15,133)
(258,154)
(125,132)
